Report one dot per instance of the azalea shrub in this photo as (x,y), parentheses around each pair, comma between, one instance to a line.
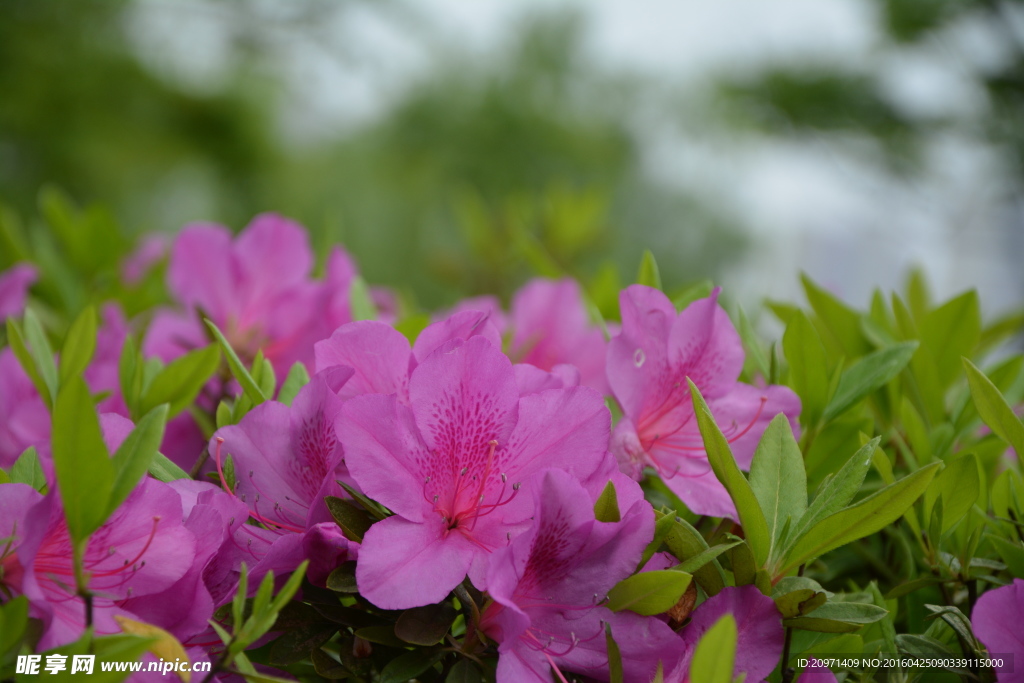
(211,456)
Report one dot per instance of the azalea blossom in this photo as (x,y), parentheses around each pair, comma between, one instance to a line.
(996,623)
(549,584)
(287,459)
(759,632)
(141,550)
(14,284)
(648,367)
(450,464)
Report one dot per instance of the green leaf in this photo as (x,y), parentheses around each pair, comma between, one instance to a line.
(85,473)
(871,372)
(27,470)
(615,673)
(648,273)
(1012,554)
(24,356)
(165,470)
(704,557)
(79,345)
(464,671)
(180,382)
(606,509)
(799,602)
(867,517)
(41,351)
(841,321)
(353,521)
(837,491)
(808,367)
(715,653)
(838,617)
(263,375)
(408,666)
(298,377)
(135,455)
(777,477)
(951,331)
(127,368)
(249,385)
(686,543)
(360,300)
(958,486)
(299,643)
(755,526)
(425,625)
(994,409)
(649,593)
(342,578)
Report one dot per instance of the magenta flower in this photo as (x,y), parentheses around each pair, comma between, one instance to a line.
(648,365)
(547,586)
(150,251)
(24,419)
(286,460)
(550,327)
(759,632)
(450,464)
(14,284)
(255,287)
(379,358)
(996,623)
(141,550)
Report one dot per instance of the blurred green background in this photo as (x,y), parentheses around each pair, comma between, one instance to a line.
(743,142)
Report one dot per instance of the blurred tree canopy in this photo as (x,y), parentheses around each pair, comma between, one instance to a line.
(477,175)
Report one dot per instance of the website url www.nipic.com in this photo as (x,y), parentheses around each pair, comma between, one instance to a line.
(86,664)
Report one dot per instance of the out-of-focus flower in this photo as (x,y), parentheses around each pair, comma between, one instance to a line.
(14,284)
(648,365)
(450,463)
(150,251)
(549,582)
(24,419)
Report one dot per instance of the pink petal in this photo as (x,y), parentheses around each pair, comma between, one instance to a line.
(461,325)
(379,355)
(996,622)
(14,284)
(406,564)
(201,270)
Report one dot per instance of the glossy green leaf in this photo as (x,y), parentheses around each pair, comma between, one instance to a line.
(686,543)
(958,486)
(649,593)
(866,517)
(724,465)
(777,477)
(648,274)
(84,470)
(360,300)
(353,521)
(808,367)
(135,455)
(27,470)
(238,369)
(871,372)
(181,380)
(838,617)
(298,377)
(21,351)
(606,509)
(994,409)
(79,345)
(425,625)
(951,331)
(42,352)
(715,654)
(837,490)
(615,674)
(408,666)
(164,469)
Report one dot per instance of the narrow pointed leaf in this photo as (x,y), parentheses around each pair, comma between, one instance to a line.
(724,465)
(79,345)
(238,369)
(134,457)
(993,408)
(871,372)
(777,477)
(867,517)
(181,380)
(649,593)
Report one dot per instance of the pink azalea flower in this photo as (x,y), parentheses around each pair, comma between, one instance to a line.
(550,326)
(759,632)
(996,623)
(255,287)
(141,550)
(548,584)
(286,460)
(150,251)
(14,284)
(379,358)
(24,419)
(648,365)
(450,463)
(816,672)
